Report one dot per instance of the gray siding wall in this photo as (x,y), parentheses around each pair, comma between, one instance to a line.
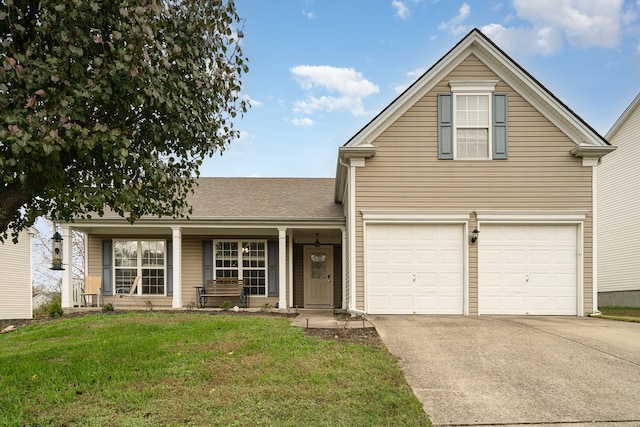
(618,200)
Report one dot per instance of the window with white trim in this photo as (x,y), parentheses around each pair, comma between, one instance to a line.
(145,258)
(472,122)
(471,126)
(245,259)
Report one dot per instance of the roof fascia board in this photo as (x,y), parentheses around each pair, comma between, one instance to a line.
(623,118)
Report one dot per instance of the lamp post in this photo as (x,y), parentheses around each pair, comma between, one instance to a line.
(56,246)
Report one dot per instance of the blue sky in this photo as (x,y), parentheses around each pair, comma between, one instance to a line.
(320,70)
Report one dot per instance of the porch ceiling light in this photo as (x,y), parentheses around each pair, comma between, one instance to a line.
(56,251)
(317,243)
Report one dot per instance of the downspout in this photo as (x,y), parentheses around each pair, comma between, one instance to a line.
(594,238)
(351,225)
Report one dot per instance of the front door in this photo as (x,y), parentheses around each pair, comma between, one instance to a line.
(318,276)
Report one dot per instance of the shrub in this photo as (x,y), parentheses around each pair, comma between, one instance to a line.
(226,305)
(107,307)
(55,307)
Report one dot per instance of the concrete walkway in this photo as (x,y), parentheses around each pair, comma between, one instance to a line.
(325,319)
(519,371)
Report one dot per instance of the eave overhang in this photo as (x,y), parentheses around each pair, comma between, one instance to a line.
(591,154)
(345,156)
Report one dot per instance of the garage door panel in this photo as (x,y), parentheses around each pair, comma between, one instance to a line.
(426,269)
(527,269)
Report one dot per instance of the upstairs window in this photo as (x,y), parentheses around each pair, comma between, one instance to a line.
(471,132)
(472,122)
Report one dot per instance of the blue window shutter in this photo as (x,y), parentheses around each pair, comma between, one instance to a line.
(107,268)
(169,268)
(207,260)
(500,149)
(445,126)
(272,268)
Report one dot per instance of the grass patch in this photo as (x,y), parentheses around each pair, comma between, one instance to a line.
(629,314)
(195,370)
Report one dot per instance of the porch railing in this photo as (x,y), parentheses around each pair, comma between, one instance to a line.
(76,291)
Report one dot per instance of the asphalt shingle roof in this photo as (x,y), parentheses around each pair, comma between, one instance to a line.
(265,198)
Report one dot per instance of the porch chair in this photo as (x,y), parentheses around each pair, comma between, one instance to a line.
(130,292)
(92,287)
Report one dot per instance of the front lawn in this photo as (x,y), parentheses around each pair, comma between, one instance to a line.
(155,369)
(630,314)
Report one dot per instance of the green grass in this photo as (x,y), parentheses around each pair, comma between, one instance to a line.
(154,369)
(629,314)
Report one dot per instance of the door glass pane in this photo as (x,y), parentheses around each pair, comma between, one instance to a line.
(318,266)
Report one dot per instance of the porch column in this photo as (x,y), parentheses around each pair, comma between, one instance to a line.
(177,267)
(67,274)
(282,267)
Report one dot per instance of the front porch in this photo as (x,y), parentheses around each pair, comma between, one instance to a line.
(287,268)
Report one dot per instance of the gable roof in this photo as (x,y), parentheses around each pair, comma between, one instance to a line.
(589,143)
(475,42)
(624,117)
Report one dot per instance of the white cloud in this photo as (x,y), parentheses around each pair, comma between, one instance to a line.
(581,23)
(412,76)
(402,10)
(544,40)
(302,121)
(454,26)
(309,15)
(351,87)
(252,102)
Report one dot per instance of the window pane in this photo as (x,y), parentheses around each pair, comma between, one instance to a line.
(255,281)
(125,253)
(472,110)
(318,266)
(472,144)
(124,277)
(153,253)
(153,281)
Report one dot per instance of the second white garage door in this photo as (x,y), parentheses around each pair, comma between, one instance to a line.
(527,269)
(414,269)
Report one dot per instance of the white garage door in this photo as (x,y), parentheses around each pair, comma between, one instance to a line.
(527,269)
(414,269)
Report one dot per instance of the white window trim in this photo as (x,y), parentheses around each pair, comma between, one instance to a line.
(473,87)
(139,265)
(240,268)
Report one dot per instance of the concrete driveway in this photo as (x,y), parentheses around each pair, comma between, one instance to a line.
(497,370)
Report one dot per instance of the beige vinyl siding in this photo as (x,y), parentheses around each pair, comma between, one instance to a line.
(15,282)
(191,268)
(405,173)
(618,198)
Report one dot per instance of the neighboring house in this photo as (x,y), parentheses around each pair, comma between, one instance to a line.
(618,200)
(476,143)
(15,280)
(39,300)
